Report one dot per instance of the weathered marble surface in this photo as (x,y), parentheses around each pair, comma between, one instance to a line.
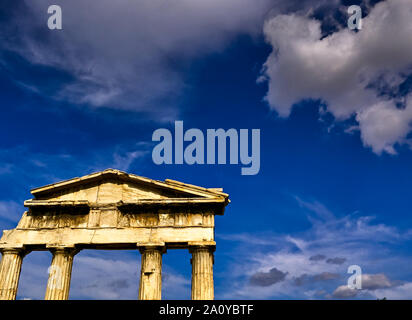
(115,210)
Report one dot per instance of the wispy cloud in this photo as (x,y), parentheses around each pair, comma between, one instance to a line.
(316,259)
(316,207)
(50,167)
(136,64)
(11,211)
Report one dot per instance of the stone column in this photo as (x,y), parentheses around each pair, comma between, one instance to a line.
(202,272)
(60,272)
(10,267)
(151,273)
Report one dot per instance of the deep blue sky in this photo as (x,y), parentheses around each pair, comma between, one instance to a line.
(316,188)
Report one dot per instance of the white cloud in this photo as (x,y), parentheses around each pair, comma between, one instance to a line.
(401,292)
(340,69)
(375,281)
(123,162)
(374,285)
(129,54)
(382,125)
(316,207)
(344,291)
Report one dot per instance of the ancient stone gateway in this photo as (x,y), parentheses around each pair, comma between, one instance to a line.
(115,210)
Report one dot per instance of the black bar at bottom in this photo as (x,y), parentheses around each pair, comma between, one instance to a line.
(218,309)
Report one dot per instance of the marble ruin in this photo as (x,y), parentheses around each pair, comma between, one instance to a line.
(115,210)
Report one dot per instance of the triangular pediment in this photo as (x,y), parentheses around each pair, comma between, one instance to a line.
(114,186)
(114,209)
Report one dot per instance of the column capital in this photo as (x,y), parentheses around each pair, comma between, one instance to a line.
(152,246)
(206,245)
(57,249)
(20,250)
(11,250)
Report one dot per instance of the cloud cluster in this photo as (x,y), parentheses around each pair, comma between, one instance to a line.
(305,279)
(370,282)
(356,74)
(265,279)
(317,257)
(314,264)
(127,54)
(336,260)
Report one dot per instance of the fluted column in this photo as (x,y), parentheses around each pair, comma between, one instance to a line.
(10,268)
(151,273)
(202,272)
(60,272)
